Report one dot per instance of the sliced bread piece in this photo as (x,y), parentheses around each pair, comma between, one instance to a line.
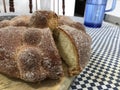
(74,47)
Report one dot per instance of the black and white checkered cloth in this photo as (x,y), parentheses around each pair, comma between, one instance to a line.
(103,69)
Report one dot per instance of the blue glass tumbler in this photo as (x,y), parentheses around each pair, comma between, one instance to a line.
(94,12)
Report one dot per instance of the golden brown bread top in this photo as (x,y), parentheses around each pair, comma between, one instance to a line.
(22,20)
(43,19)
(4,23)
(29,54)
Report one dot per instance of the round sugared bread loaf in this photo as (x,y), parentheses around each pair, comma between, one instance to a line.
(30,53)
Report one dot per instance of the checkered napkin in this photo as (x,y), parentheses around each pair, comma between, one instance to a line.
(103,69)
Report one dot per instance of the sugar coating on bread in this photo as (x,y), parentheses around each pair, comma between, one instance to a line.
(32,37)
(18,21)
(29,64)
(43,19)
(65,20)
(22,20)
(4,23)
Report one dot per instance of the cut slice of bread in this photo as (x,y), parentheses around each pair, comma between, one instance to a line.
(74,47)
